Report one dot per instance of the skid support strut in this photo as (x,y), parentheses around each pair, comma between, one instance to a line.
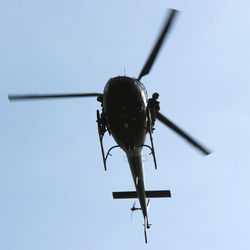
(150,131)
(102,128)
(101,131)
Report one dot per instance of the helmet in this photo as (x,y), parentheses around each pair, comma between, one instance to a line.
(155,95)
(100,98)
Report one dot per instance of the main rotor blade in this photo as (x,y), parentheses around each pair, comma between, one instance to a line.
(157,46)
(180,132)
(46,96)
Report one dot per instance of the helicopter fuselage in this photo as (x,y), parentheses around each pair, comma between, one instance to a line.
(125,112)
(124,107)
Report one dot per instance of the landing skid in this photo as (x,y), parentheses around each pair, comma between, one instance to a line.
(101,132)
(150,131)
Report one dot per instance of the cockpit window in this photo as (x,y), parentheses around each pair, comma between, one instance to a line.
(143,92)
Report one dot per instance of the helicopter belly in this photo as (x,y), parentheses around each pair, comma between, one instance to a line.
(128,128)
(129,138)
(125,111)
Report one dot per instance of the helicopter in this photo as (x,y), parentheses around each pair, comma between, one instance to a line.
(129,116)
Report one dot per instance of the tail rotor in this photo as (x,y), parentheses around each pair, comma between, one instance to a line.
(134,208)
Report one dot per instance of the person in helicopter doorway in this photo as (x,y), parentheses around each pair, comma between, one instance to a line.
(102,116)
(154,107)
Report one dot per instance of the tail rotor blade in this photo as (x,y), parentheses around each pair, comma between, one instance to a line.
(183,134)
(158,44)
(49,96)
(132,210)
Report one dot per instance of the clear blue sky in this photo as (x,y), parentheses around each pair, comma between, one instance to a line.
(54,192)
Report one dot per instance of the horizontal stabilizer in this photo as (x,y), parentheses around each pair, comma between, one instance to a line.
(158,194)
(149,194)
(125,195)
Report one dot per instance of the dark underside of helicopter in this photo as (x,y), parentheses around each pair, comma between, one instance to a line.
(125,109)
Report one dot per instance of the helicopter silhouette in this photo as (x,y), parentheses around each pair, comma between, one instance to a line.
(129,115)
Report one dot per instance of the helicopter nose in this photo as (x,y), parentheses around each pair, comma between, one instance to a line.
(121,87)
